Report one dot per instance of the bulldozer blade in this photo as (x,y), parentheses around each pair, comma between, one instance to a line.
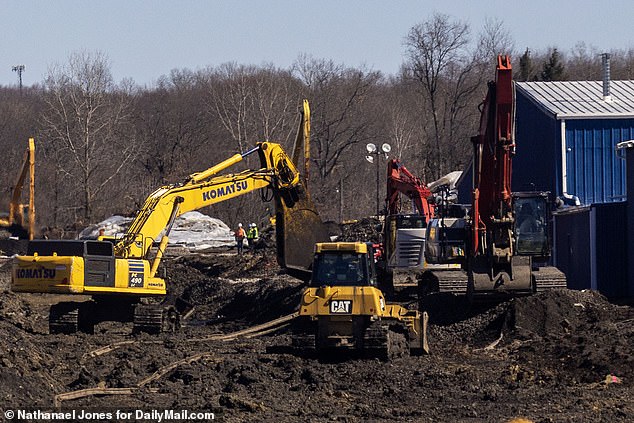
(298,229)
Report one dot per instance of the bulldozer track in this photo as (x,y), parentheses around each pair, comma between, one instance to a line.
(148,318)
(380,341)
(454,281)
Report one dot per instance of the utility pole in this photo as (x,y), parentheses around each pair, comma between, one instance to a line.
(19,69)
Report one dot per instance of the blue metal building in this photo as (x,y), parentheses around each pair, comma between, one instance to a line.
(566,134)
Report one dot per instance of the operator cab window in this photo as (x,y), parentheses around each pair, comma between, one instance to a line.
(99,248)
(61,248)
(410,222)
(343,269)
(531,219)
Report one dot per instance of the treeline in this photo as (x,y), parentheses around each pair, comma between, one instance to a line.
(103,146)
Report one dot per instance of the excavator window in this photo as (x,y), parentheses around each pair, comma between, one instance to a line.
(61,248)
(410,222)
(70,248)
(531,224)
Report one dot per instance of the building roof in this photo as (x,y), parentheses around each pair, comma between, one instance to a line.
(581,99)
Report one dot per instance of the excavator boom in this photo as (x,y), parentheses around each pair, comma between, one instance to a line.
(16,208)
(201,190)
(401,181)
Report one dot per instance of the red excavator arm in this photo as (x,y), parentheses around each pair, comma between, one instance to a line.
(400,180)
(494,147)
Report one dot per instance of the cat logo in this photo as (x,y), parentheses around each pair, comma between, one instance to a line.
(341,306)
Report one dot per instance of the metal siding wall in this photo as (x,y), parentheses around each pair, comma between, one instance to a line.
(572,246)
(611,247)
(537,159)
(595,173)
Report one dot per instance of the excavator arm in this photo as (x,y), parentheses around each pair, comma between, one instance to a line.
(400,180)
(16,208)
(494,148)
(204,189)
(298,225)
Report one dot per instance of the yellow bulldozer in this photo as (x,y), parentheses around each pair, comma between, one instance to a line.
(343,308)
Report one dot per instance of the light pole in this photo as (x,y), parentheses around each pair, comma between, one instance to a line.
(374,151)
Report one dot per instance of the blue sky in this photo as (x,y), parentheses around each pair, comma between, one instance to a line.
(146,39)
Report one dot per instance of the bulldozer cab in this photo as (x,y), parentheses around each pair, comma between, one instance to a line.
(343,264)
(532,223)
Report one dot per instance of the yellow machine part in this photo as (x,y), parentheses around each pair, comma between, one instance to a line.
(342,300)
(353,247)
(67,275)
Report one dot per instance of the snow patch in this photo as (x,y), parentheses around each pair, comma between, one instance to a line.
(192,230)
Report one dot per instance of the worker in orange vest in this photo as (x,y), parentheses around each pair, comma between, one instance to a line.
(239,235)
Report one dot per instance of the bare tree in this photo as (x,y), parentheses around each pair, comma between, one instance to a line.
(86,123)
(252,104)
(231,99)
(449,75)
(495,39)
(622,63)
(339,99)
(584,63)
(173,126)
(399,105)
(343,120)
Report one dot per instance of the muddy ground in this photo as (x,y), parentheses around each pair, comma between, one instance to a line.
(563,356)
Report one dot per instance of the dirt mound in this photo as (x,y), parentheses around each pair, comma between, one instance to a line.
(579,331)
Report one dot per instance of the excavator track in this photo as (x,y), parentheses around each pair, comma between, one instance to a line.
(380,341)
(451,281)
(148,318)
(64,318)
(549,277)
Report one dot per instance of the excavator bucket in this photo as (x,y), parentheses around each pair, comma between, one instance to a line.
(298,229)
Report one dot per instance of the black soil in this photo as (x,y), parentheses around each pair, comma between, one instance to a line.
(562,356)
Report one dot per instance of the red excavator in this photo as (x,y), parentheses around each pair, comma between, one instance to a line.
(401,181)
(508,234)
(404,233)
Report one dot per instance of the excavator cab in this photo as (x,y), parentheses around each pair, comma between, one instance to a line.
(531,228)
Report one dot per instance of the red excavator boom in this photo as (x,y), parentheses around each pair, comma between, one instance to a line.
(494,147)
(400,180)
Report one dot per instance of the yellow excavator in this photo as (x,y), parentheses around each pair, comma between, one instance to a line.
(118,273)
(343,308)
(16,223)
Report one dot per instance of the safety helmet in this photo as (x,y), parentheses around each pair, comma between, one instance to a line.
(239,225)
(253,225)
